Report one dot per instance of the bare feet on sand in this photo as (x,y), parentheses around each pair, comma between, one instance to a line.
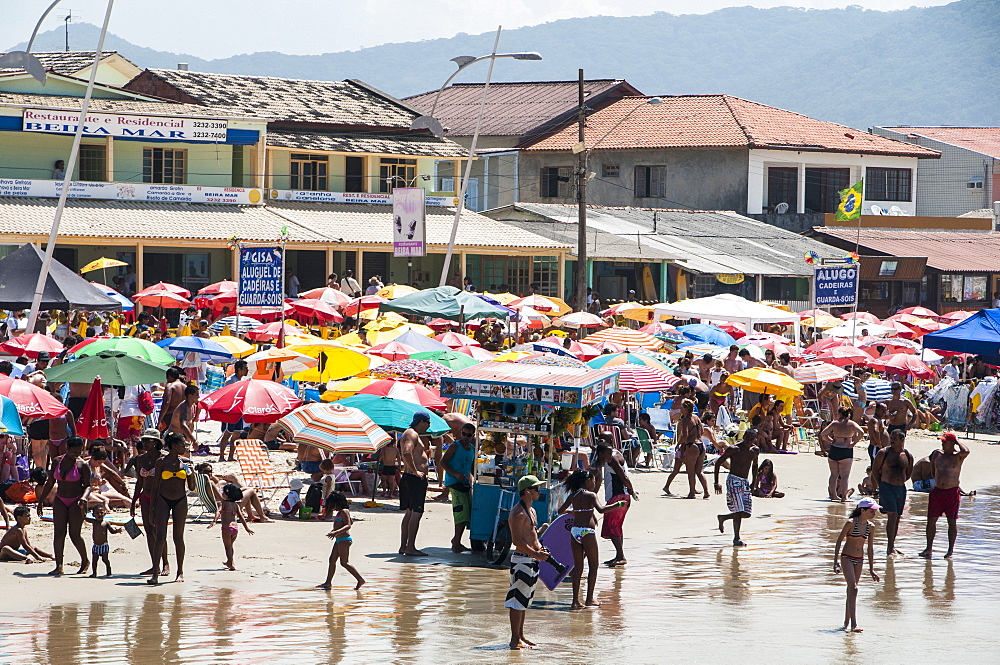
(722,523)
(413,553)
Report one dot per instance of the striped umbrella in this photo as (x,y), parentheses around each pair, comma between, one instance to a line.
(535,302)
(892,344)
(334,427)
(632,339)
(612,360)
(877,390)
(643,379)
(246,323)
(818,372)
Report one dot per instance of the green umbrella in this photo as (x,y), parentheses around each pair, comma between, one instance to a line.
(450,359)
(114,367)
(132,346)
(393,414)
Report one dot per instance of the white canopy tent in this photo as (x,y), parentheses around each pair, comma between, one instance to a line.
(728,307)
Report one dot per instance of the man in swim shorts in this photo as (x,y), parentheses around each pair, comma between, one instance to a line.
(946,465)
(890,470)
(528,551)
(742,466)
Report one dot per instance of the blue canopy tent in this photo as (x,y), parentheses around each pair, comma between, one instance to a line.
(979,335)
(703,332)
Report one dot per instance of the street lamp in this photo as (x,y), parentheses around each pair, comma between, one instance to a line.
(431,123)
(583,175)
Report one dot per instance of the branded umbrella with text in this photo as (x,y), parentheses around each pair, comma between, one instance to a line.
(93,423)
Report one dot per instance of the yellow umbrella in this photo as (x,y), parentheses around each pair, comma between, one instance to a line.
(342,363)
(102,262)
(644,314)
(396,290)
(302,338)
(387,321)
(510,356)
(765,380)
(824,321)
(313,348)
(341,389)
(505,298)
(563,307)
(234,345)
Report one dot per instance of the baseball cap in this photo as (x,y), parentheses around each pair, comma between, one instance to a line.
(295,484)
(151,433)
(949,437)
(420,416)
(527,482)
(44,355)
(869,503)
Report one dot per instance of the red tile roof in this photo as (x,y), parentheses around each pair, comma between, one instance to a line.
(512,109)
(950,251)
(719,121)
(984,140)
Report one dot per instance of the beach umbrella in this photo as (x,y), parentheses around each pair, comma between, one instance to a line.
(641,313)
(658,328)
(818,371)
(31,401)
(876,390)
(643,379)
(825,321)
(816,311)
(900,329)
(411,391)
(132,346)
(765,380)
(903,363)
(454,340)
(245,323)
(93,423)
(218,287)
(605,347)
(552,361)
(336,390)
(162,298)
(102,263)
(290,362)
(362,304)
(334,362)
(477,352)
(116,368)
(502,298)
(620,308)
(393,414)
(334,427)
(317,309)
(842,356)
(454,360)
(867,317)
(577,320)
(10,419)
(268,332)
(419,341)
(624,337)
(31,345)
(386,321)
(778,348)
(582,351)
(253,400)
(921,312)
(614,359)
(234,345)
(394,351)
(857,328)
(426,371)
(701,332)
(826,343)
(165,286)
(535,302)
(531,318)
(736,331)
(891,344)
(394,291)
(956,316)
(127,305)
(440,324)
(513,356)
(328,295)
(214,351)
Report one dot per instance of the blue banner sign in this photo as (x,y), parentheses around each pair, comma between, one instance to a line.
(261,277)
(836,286)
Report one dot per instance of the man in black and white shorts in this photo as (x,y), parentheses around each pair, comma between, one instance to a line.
(528,551)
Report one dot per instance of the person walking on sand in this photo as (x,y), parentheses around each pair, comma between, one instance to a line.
(413,484)
(100,550)
(612,473)
(891,469)
(946,467)
(342,540)
(528,551)
(457,465)
(742,467)
(692,450)
(169,485)
(840,437)
(71,477)
(228,511)
(857,530)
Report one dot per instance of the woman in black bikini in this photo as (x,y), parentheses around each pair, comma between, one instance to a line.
(145,467)
(857,530)
(841,435)
(693,453)
(72,492)
(168,495)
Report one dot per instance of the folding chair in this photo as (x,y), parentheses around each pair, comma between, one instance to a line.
(256,469)
(204,495)
(647,447)
(343,477)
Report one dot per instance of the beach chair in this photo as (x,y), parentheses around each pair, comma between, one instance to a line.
(805,437)
(205,497)
(649,448)
(256,469)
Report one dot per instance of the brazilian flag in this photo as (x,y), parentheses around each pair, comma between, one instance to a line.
(850,202)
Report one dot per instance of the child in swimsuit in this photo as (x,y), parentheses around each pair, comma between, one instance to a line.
(857,533)
(341,537)
(767,482)
(15,546)
(227,512)
(101,548)
(584,502)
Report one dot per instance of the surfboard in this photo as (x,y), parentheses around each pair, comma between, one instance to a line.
(557,538)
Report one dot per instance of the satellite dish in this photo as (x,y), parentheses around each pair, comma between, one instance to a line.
(781,208)
(427,122)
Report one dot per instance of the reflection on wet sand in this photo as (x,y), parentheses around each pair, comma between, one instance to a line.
(418,613)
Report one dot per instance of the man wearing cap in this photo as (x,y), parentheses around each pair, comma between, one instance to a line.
(528,551)
(187,316)
(891,469)
(413,483)
(946,466)
(41,363)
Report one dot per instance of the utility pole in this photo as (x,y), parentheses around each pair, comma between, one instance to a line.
(580,283)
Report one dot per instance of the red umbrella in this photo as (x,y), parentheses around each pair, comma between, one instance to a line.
(327,294)
(271,331)
(455,340)
(861,316)
(164,286)
(779,348)
(442,324)
(410,391)
(253,400)
(477,352)
(816,311)
(92,423)
(393,350)
(890,344)
(317,309)
(30,345)
(265,313)
(362,304)
(903,363)
(218,287)
(922,312)
(578,349)
(827,343)
(842,356)
(956,316)
(639,378)
(226,298)
(162,298)
(31,401)
(736,331)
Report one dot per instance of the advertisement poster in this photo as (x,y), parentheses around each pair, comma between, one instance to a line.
(261,277)
(408,222)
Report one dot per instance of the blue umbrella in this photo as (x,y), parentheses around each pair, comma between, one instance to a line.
(551,348)
(421,342)
(393,414)
(10,419)
(210,351)
(701,332)
(127,305)
(246,323)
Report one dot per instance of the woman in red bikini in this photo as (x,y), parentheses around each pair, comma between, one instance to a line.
(71,477)
(168,488)
(859,533)
(145,467)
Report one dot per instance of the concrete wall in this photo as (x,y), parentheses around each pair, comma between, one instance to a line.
(707,179)
(943,182)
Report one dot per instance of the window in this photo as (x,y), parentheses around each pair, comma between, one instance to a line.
(974,288)
(93,163)
(610,170)
(393,172)
(309,172)
(958,288)
(551,179)
(545,275)
(163,165)
(823,187)
(783,187)
(887,268)
(974,184)
(650,182)
(354,174)
(887,184)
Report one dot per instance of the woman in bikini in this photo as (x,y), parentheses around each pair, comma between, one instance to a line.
(857,530)
(145,467)
(168,494)
(691,451)
(71,477)
(584,531)
(841,435)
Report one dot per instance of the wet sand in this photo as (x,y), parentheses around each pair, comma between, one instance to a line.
(686,591)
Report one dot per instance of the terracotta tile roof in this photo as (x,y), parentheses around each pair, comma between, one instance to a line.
(417,144)
(68,62)
(348,103)
(719,121)
(951,251)
(513,109)
(984,140)
(114,105)
(372,224)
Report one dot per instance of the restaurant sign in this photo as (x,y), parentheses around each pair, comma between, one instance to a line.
(122,125)
(132,191)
